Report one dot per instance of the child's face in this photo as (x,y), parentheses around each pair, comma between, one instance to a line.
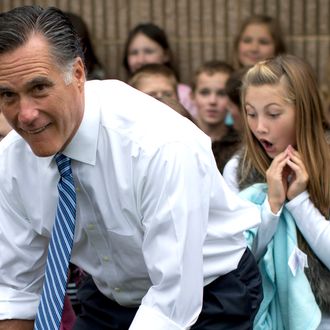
(210,97)
(255,44)
(270,118)
(157,86)
(144,50)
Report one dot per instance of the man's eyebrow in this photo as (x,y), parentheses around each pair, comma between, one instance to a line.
(39,81)
(4,89)
(30,84)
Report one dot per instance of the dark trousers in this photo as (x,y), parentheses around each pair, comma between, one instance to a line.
(229,302)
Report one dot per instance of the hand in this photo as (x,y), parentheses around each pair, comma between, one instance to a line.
(277,180)
(299,180)
(16,325)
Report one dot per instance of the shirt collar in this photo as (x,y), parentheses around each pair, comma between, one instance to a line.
(83,145)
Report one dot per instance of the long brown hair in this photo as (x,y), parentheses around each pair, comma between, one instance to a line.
(311,123)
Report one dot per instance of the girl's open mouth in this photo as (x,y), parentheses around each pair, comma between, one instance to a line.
(268,146)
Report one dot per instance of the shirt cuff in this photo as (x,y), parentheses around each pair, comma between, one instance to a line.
(14,306)
(146,316)
(266,208)
(297,200)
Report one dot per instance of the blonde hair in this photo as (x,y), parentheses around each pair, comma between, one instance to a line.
(151,70)
(326,89)
(311,123)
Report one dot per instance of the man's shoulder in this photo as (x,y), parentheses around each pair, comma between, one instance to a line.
(11,142)
(107,88)
(140,117)
(14,151)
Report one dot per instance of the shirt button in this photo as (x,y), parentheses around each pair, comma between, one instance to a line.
(77,189)
(117,289)
(90,226)
(106,258)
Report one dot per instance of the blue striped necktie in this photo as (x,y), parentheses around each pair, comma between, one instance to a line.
(59,251)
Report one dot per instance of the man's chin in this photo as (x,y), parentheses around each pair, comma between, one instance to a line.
(41,144)
(43,150)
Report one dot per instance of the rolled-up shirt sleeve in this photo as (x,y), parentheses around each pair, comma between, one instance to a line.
(266,229)
(174,201)
(21,261)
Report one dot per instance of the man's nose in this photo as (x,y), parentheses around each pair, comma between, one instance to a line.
(27,111)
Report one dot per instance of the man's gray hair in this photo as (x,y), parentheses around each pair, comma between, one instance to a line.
(19,24)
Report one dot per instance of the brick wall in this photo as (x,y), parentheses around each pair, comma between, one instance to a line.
(199,30)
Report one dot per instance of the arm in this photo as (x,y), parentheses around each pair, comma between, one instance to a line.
(16,325)
(312,224)
(268,225)
(20,261)
(266,230)
(174,204)
(314,227)
(279,188)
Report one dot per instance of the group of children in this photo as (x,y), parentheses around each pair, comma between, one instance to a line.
(270,138)
(149,63)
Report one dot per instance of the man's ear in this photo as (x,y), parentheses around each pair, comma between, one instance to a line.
(79,72)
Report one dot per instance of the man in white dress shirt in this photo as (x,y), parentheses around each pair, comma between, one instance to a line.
(157,229)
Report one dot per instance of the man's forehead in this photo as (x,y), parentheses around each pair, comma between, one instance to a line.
(25,64)
(35,48)
(23,76)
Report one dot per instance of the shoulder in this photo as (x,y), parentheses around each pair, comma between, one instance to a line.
(230,173)
(17,161)
(15,150)
(134,117)
(232,165)
(12,145)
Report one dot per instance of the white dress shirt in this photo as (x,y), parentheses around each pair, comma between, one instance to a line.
(151,207)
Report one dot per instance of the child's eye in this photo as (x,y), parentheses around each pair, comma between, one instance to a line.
(167,94)
(149,51)
(221,92)
(246,40)
(250,113)
(264,41)
(204,92)
(133,52)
